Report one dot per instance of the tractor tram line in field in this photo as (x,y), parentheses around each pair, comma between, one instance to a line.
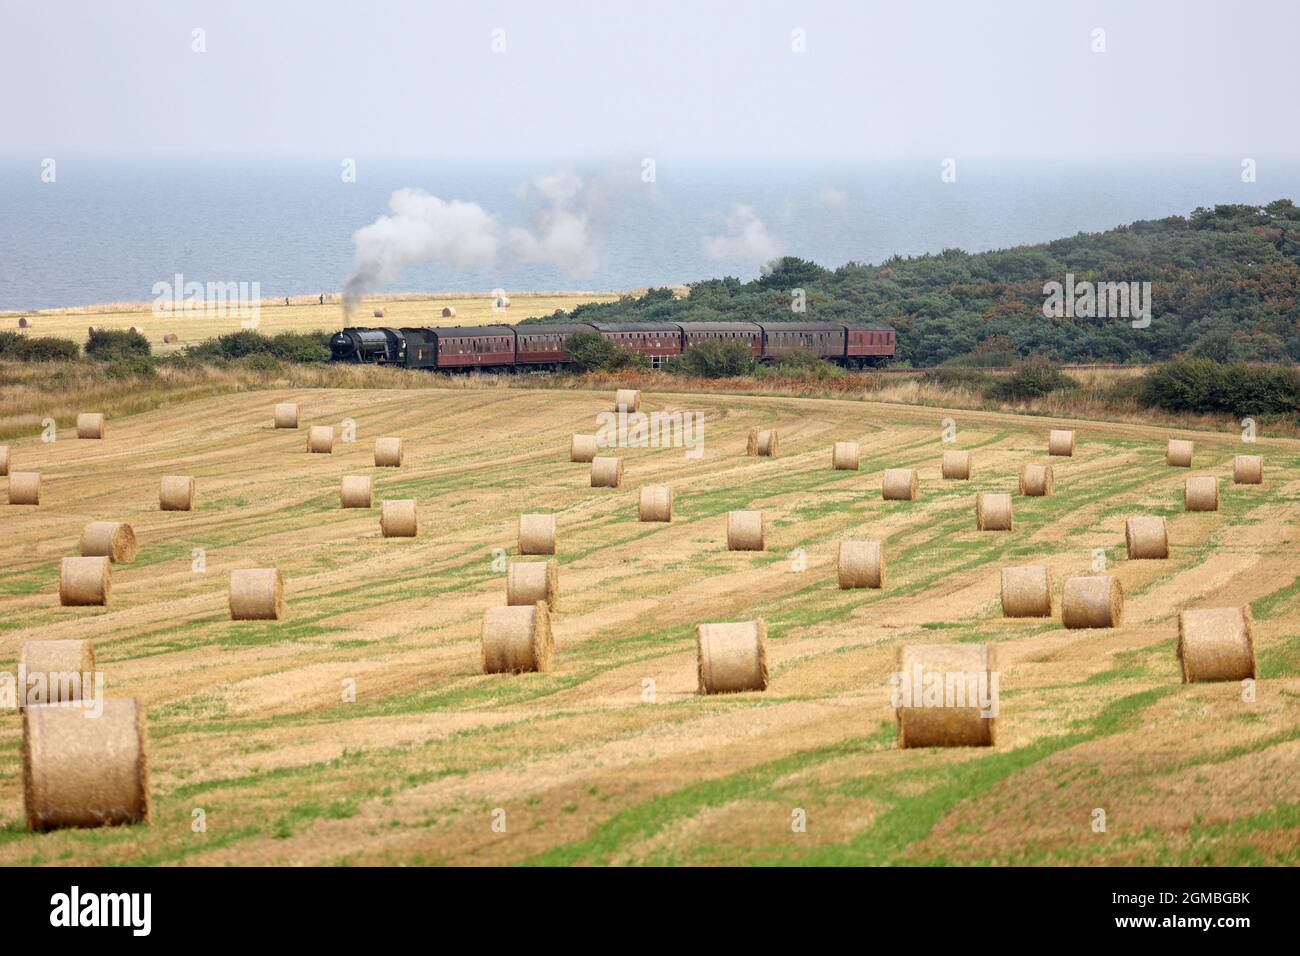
(373,712)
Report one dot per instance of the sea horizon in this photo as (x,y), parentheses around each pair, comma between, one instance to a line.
(105,229)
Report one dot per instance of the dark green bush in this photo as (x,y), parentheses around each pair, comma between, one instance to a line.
(259,362)
(1032,380)
(109,344)
(592,352)
(713,359)
(131,366)
(802,363)
(23,348)
(285,346)
(1202,385)
(301,346)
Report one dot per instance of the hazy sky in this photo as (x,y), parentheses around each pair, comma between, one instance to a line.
(658,77)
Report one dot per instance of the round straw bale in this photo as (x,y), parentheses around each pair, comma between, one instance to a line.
(399,519)
(24,487)
(60,665)
(4,459)
(956,465)
(582,448)
(286,415)
(388,453)
(537,534)
(731,657)
(932,716)
(900,484)
(84,582)
(1246,469)
(656,503)
(1216,644)
(627,400)
(1092,601)
(746,531)
(764,442)
(448,312)
(171,338)
(85,773)
(992,511)
(1201,493)
(528,582)
(517,639)
(90,425)
(24,323)
(606,472)
(176,493)
(1179,453)
(845,456)
(861,564)
(114,540)
(256,594)
(1146,538)
(379,313)
(1027,591)
(320,439)
(1060,441)
(356,492)
(1036,480)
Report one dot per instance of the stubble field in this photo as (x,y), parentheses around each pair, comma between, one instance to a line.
(246,720)
(302,314)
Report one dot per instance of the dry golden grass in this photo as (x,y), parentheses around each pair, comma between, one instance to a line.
(252,722)
(302,314)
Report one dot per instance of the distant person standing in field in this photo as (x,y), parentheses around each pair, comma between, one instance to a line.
(322,298)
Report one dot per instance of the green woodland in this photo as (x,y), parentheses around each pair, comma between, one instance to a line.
(1225,285)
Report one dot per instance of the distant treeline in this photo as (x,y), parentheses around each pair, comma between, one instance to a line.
(1224,281)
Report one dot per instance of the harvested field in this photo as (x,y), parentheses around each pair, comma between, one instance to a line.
(249,720)
(304,313)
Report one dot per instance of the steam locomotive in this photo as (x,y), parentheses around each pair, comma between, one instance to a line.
(543,346)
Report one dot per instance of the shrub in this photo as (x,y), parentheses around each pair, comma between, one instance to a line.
(1032,380)
(110,344)
(301,346)
(1202,385)
(22,348)
(286,346)
(131,366)
(592,352)
(802,363)
(714,359)
(259,362)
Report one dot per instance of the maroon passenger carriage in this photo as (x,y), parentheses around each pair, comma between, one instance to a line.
(475,346)
(655,340)
(750,333)
(543,346)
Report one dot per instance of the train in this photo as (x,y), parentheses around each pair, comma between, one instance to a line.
(542,346)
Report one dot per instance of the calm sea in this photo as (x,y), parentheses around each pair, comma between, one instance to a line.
(108,229)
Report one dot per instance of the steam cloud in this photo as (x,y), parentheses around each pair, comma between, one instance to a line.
(747,238)
(420,227)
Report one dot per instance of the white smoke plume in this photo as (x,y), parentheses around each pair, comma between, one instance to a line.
(559,237)
(747,239)
(422,228)
(830,196)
